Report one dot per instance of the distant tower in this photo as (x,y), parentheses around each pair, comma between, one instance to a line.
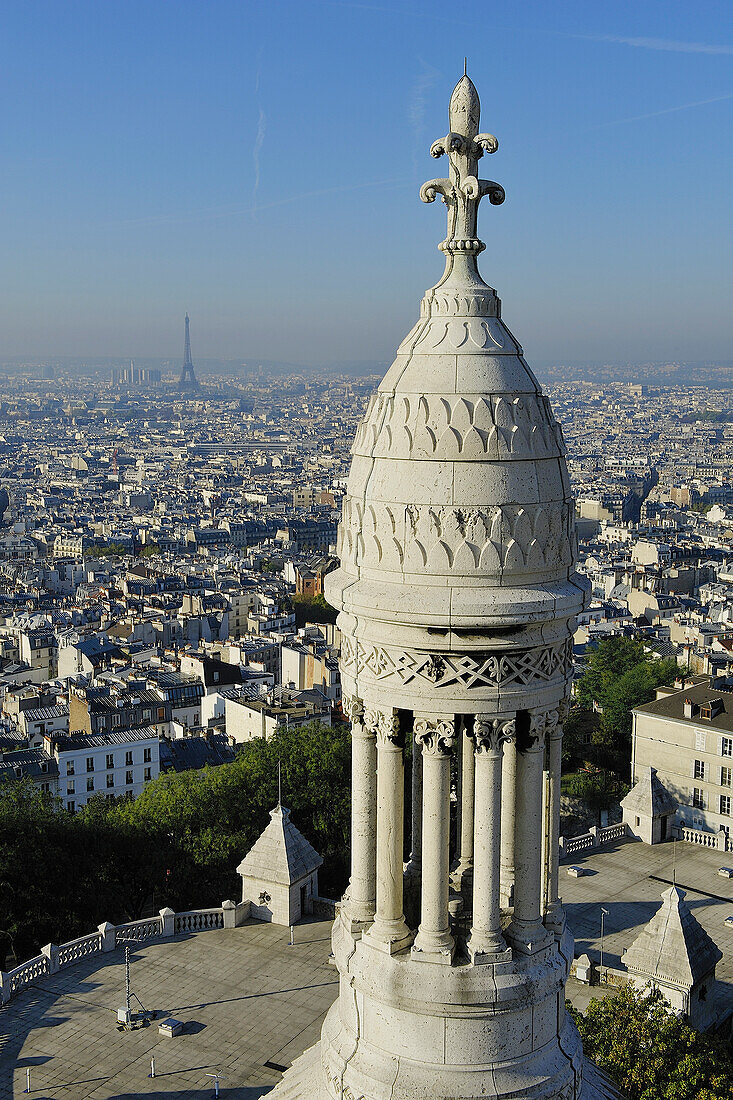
(187,380)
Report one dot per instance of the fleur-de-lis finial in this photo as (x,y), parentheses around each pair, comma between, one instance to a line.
(463,190)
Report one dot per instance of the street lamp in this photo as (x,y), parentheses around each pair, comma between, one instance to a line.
(604,914)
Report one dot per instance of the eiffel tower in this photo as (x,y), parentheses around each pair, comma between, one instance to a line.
(187,380)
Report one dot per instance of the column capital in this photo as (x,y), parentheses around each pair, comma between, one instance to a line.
(490,734)
(542,725)
(435,737)
(385,725)
(353,708)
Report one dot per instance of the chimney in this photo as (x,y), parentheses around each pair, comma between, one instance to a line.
(689,709)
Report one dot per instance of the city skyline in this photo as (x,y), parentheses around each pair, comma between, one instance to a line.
(227,165)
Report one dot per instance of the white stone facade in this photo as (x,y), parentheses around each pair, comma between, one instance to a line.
(457,598)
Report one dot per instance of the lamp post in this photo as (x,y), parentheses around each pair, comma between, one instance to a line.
(604,914)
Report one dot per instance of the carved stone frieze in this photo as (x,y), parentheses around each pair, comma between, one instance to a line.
(529,667)
(498,427)
(529,538)
(435,738)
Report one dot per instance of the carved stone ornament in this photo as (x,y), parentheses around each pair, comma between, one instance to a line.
(353,708)
(498,427)
(490,734)
(435,738)
(527,668)
(371,720)
(541,725)
(388,730)
(463,191)
(509,538)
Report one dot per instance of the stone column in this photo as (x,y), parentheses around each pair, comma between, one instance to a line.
(526,931)
(389,932)
(415,864)
(434,941)
(486,941)
(554,912)
(508,791)
(464,866)
(361,893)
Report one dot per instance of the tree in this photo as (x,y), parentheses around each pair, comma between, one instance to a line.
(620,677)
(38,871)
(651,1054)
(313,609)
(177,844)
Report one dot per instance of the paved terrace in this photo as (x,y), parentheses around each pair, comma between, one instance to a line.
(627,878)
(247,998)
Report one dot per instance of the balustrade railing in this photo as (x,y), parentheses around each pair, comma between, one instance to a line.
(594,838)
(109,936)
(718,841)
(198,920)
(136,930)
(71,952)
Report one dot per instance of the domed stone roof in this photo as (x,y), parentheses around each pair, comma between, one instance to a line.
(458,518)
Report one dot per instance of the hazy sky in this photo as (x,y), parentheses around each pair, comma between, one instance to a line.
(259,164)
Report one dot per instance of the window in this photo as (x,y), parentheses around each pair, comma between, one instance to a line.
(147,715)
(90,783)
(128,759)
(699,769)
(726,746)
(110,781)
(147,757)
(700,739)
(725,777)
(70,787)
(128,778)
(161,713)
(69,767)
(148,774)
(90,763)
(110,760)
(71,806)
(638,822)
(725,804)
(698,798)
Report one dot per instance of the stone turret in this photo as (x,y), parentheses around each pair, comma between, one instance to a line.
(674,954)
(457,597)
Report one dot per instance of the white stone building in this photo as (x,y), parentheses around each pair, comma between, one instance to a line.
(687,737)
(109,764)
(280,872)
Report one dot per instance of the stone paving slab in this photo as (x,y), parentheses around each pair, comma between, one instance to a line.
(245,996)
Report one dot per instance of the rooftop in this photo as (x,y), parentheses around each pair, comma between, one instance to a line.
(246,999)
(673,706)
(628,879)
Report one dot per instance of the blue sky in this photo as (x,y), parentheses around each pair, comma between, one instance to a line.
(258,164)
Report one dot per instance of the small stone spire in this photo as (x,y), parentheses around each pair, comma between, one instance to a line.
(463,190)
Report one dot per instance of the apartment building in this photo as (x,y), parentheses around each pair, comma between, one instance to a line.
(687,736)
